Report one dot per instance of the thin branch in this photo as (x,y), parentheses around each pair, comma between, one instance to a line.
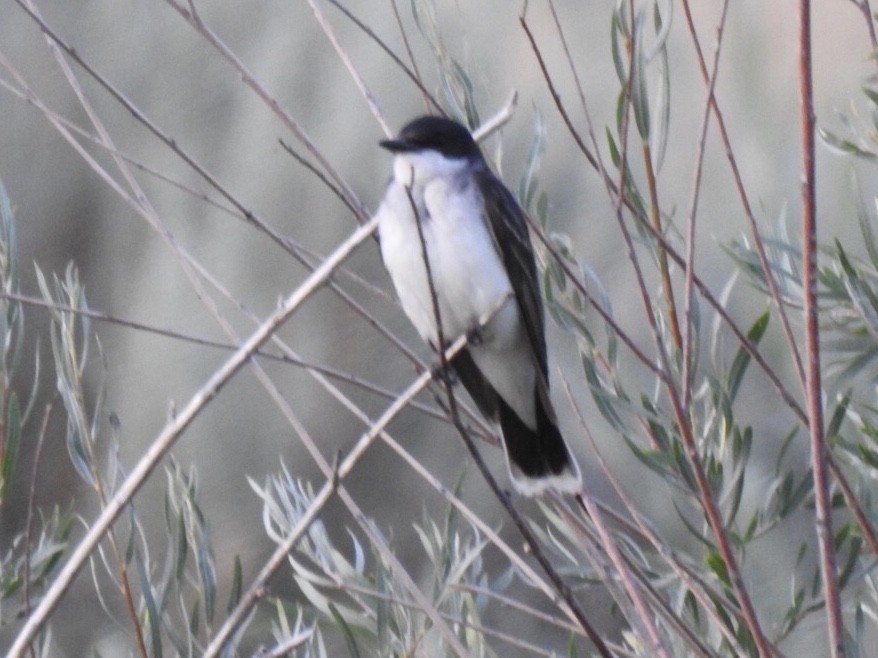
(172,431)
(333,476)
(814,392)
(586,500)
(693,212)
(745,203)
(194,19)
(413,74)
(349,65)
(596,163)
(29,517)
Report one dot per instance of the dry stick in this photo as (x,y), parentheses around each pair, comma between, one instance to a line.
(693,583)
(29,516)
(168,140)
(428,98)
(822,509)
(595,161)
(25,93)
(238,211)
(530,540)
(317,172)
(711,511)
(346,60)
(194,19)
(693,211)
(745,202)
(174,429)
(664,270)
(287,357)
(506,602)
(586,500)
(413,74)
(346,466)
(661,607)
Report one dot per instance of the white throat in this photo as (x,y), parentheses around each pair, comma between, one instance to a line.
(417,168)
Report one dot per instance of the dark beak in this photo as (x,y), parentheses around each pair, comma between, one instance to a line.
(396,145)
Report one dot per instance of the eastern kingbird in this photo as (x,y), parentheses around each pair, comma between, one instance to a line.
(479,252)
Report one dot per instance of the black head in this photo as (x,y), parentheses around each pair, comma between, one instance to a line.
(434,133)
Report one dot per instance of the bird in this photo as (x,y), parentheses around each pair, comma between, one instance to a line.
(444,203)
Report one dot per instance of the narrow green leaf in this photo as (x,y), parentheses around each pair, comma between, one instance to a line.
(838,416)
(617,45)
(718,566)
(13,441)
(742,357)
(237,585)
(615,157)
(871,94)
(792,496)
(207,576)
(865,221)
(152,614)
(843,146)
(527,185)
(346,630)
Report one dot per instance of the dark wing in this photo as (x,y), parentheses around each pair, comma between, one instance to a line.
(509,228)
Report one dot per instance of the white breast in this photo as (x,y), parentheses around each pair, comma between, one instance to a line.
(468,275)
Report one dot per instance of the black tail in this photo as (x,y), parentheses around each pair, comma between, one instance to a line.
(540,453)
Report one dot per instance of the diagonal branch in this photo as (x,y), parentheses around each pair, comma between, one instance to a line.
(172,431)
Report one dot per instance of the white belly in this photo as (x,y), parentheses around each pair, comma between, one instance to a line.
(468,276)
(469,281)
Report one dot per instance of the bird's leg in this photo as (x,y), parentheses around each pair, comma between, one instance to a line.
(443,374)
(446,375)
(475,336)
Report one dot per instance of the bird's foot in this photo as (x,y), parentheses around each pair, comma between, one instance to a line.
(445,374)
(476,335)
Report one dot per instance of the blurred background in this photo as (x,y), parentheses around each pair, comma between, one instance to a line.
(66,212)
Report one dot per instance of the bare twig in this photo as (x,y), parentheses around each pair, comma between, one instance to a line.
(29,517)
(194,19)
(586,500)
(814,392)
(175,428)
(693,212)
(349,65)
(333,477)
(745,202)
(413,74)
